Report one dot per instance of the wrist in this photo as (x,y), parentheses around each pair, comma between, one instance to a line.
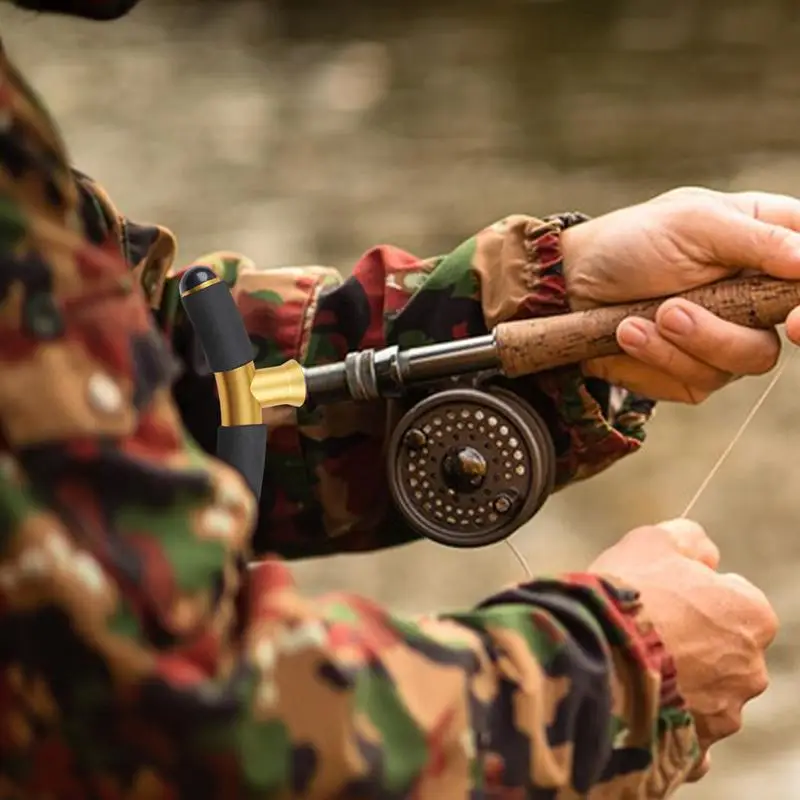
(578,281)
(571,238)
(675,749)
(646,638)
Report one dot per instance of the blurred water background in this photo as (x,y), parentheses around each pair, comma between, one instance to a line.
(302,131)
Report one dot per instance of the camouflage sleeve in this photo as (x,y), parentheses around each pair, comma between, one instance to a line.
(322,493)
(126,671)
(141,658)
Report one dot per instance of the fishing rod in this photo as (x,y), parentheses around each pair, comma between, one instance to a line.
(469,462)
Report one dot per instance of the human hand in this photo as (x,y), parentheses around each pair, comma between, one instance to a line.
(678,241)
(717,627)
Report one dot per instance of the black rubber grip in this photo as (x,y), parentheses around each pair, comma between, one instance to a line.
(216,320)
(223,339)
(244,447)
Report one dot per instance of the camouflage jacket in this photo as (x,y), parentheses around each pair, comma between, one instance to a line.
(141,658)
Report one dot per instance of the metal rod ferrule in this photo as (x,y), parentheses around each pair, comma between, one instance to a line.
(370,374)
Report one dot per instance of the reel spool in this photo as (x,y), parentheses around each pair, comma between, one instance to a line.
(468,467)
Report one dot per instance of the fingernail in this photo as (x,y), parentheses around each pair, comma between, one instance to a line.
(677,321)
(631,334)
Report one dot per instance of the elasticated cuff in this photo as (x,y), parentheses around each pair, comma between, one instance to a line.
(593,424)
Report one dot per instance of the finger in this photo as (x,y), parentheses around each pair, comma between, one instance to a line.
(759,680)
(690,540)
(793,326)
(775,209)
(750,243)
(730,348)
(720,726)
(636,376)
(641,339)
(758,615)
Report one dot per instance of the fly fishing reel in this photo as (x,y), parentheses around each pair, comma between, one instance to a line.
(468,467)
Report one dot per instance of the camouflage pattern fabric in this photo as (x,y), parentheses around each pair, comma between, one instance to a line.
(140,658)
(322,492)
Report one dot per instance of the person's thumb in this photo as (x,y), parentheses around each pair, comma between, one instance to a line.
(749,243)
(690,540)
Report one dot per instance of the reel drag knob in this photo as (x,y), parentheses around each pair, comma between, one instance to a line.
(464,469)
(468,467)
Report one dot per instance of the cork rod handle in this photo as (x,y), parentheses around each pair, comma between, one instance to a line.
(529,346)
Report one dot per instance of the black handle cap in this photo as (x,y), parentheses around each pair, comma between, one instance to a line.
(216,320)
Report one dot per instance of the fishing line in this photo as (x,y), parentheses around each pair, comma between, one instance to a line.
(712,473)
(737,436)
